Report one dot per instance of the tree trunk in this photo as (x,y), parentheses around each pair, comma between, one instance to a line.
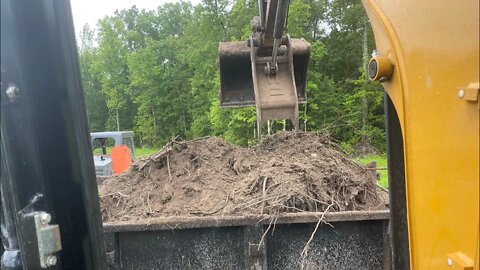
(365,44)
(118,119)
(220,21)
(184,124)
(305,115)
(364,99)
(154,121)
(154,128)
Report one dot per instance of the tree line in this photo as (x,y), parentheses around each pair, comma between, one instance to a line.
(155,72)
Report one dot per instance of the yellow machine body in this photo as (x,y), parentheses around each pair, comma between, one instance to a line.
(433,47)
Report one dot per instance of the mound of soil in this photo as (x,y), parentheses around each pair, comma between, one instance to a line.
(283,173)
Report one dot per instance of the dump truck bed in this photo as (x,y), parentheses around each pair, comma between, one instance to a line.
(356,240)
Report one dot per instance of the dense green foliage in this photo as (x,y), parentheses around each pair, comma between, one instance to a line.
(155,72)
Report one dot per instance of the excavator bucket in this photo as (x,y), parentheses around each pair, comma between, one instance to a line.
(246,78)
(238,83)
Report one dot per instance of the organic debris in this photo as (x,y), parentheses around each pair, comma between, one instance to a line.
(285,172)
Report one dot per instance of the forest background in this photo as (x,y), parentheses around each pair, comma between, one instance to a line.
(156,72)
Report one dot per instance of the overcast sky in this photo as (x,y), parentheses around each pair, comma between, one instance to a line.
(90,11)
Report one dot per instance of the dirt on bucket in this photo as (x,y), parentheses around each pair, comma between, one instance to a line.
(285,172)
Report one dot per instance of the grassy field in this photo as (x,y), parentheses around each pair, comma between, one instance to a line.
(145,151)
(139,152)
(381,163)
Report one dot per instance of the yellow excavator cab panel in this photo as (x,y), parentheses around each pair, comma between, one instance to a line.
(433,47)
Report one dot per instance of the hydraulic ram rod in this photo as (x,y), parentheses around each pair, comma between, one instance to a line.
(280,19)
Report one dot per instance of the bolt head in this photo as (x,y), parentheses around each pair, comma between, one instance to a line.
(12,92)
(461,93)
(45,218)
(450,262)
(51,260)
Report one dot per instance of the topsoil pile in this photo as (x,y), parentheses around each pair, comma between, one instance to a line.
(283,173)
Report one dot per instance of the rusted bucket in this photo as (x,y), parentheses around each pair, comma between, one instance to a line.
(236,80)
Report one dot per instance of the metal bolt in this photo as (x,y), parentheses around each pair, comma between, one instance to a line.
(450,262)
(51,260)
(45,218)
(461,93)
(12,92)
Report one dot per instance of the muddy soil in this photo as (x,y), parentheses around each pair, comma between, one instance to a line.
(208,177)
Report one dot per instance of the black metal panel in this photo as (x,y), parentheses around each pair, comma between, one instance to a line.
(10,249)
(397,188)
(112,250)
(349,245)
(208,248)
(45,136)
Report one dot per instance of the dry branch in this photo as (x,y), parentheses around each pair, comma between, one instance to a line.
(307,245)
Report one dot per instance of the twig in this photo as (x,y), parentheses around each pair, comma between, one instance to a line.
(262,219)
(307,245)
(119,201)
(168,168)
(150,170)
(313,199)
(376,169)
(382,188)
(199,138)
(175,227)
(118,192)
(253,150)
(198,212)
(272,186)
(253,202)
(264,193)
(148,200)
(165,150)
(272,221)
(147,161)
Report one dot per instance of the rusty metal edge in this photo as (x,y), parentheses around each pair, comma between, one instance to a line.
(226,104)
(178,223)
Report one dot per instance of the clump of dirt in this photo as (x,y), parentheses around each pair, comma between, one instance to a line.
(285,172)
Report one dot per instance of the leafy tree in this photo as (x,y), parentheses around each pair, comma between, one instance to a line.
(156,72)
(95,99)
(111,67)
(299,19)
(365,124)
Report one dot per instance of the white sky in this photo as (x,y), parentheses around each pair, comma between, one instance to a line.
(90,11)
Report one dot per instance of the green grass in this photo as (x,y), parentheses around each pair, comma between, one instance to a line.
(145,151)
(139,152)
(98,151)
(381,163)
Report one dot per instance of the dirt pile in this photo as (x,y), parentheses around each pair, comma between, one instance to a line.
(283,173)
